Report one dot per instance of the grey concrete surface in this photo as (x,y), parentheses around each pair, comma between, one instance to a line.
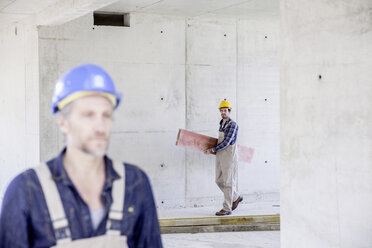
(265,239)
(173,72)
(326,116)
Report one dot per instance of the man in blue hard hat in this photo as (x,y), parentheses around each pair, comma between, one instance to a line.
(81,198)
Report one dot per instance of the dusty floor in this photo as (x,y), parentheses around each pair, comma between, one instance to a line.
(223,240)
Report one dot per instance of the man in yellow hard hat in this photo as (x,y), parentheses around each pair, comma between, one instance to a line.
(227,160)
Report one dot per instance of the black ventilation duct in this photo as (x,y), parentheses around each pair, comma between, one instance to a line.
(111,19)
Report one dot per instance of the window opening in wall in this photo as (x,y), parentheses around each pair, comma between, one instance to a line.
(111,19)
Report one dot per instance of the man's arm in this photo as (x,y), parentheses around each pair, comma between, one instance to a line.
(230,133)
(149,231)
(14,215)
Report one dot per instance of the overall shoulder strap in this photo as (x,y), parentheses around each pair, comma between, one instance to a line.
(54,204)
(118,193)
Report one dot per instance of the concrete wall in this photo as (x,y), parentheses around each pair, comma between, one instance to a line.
(326,132)
(147,63)
(173,72)
(19,143)
(229,57)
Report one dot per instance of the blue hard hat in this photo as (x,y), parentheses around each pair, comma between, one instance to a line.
(84,78)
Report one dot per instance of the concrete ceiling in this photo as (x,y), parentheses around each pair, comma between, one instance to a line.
(47,12)
(54,12)
(193,8)
(16,10)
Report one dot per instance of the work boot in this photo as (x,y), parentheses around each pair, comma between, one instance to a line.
(236,203)
(223,212)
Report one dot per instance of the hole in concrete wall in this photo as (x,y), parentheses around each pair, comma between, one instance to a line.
(265,162)
(265,37)
(161,165)
(320,76)
(111,19)
(161,31)
(265,99)
(224,35)
(162,98)
(162,202)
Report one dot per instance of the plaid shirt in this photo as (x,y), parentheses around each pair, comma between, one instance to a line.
(231,133)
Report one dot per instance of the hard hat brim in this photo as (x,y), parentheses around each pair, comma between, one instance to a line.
(70,98)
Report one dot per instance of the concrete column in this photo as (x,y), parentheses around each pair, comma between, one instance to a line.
(19,102)
(326,131)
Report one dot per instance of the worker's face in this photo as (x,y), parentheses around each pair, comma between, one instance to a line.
(225,113)
(87,126)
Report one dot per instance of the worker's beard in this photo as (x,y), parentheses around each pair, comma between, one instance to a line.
(95,151)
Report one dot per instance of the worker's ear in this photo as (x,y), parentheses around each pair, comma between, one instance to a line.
(62,122)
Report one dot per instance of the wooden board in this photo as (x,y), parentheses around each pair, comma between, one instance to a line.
(200,142)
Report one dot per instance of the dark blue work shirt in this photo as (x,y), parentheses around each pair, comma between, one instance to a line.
(25,220)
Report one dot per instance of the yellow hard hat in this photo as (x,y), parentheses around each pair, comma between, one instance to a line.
(225,104)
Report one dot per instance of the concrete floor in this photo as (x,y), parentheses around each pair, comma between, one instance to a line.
(244,209)
(223,240)
(203,219)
